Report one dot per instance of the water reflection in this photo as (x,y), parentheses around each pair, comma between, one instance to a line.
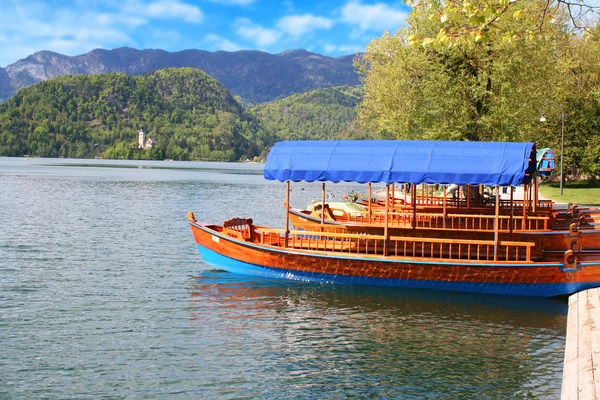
(367,341)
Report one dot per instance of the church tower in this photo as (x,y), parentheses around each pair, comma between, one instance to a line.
(141,139)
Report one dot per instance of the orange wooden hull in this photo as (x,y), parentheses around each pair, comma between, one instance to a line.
(542,279)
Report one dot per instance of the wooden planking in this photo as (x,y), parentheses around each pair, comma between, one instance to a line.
(594,342)
(582,352)
(584,378)
(570,369)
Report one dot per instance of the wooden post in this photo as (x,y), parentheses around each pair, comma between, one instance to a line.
(530,198)
(385,228)
(322,206)
(287,213)
(444,206)
(393,196)
(468,197)
(405,191)
(535,193)
(512,210)
(414,204)
(525,191)
(497,223)
(369,206)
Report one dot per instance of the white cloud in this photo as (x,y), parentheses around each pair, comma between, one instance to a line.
(351,49)
(329,48)
(255,33)
(346,49)
(173,9)
(78,26)
(234,2)
(298,25)
(220,43)
(376,17)
(117,18)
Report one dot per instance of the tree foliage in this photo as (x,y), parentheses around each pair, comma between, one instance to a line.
(469,22)
(320,114)
(494,89)
(190,115)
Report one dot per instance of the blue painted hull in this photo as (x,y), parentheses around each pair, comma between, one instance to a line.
(511,289)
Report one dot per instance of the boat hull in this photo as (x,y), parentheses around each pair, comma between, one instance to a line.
(516,279)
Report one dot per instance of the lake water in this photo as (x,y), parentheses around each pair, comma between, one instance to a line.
(103,295)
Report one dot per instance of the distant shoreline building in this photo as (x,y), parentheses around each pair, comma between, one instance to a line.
(143,143)
(141,136)
(150,143)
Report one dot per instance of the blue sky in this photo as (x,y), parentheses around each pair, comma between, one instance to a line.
(74,27)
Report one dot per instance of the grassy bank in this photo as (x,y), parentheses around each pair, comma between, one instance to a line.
(578,192)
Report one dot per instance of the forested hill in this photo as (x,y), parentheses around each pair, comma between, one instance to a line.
(255,76)
(189,114)
(320,114)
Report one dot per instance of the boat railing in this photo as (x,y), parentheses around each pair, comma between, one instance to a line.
(478,222)
(398,246)
(542,205)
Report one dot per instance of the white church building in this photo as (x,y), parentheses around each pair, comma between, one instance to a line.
(143,143)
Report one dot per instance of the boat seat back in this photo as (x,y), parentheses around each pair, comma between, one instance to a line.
(239,228)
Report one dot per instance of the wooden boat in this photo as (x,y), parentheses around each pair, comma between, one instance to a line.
(472,219)
(544,264)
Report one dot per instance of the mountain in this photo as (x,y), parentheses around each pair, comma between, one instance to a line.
(188,113)
(255,76)
(320,114)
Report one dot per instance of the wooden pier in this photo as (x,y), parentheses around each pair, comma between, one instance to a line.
(581,371)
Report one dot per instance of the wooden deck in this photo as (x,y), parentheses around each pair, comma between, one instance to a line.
(581,371)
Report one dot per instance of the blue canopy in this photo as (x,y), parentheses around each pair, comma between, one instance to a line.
(395,161)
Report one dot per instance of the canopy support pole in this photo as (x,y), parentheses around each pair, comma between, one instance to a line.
(535,193)
(468,197)
(512,210)
(385,228)
(497,223)
(525,201)
(444,208)
(322,206)
(414,204)
(287,214)
(369,205)
(481,193)
(393,196)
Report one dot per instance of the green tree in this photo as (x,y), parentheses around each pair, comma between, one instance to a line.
(87,116)
(470,22)
(490,91)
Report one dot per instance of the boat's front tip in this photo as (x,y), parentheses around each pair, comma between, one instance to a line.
(191,217)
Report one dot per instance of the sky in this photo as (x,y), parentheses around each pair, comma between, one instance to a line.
(74,27)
